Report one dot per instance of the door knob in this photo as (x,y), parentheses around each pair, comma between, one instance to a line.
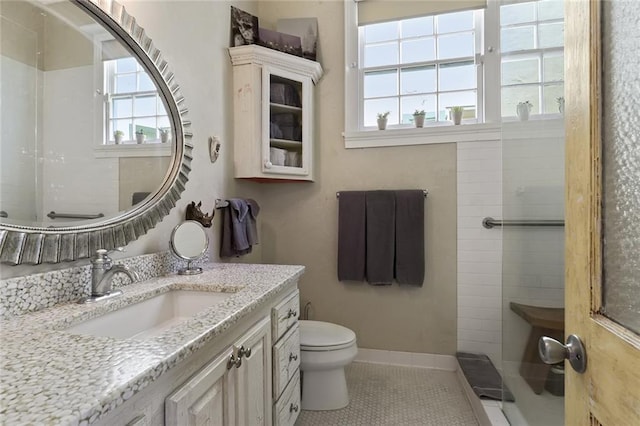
(552,352)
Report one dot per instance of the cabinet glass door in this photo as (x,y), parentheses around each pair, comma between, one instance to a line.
(286,129)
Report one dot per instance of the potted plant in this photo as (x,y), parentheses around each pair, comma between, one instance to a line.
(456,114)
(523,109)
(382,119)
(140,136)
(560,102)
(418,117)
(117,136)
(164,135)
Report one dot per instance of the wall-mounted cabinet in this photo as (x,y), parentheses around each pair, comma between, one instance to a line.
(273,114)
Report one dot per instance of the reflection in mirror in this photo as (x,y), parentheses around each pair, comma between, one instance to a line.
(189,241)
(85,134)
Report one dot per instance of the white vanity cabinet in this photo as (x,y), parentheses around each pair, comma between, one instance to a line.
(233,389)
(273,114)
(211,387)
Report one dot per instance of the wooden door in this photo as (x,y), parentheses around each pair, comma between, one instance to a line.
(253,377)
(206,399)
(608,393)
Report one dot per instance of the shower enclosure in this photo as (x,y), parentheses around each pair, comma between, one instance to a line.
(532,224)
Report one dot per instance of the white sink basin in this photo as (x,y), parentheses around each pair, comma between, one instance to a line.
(152,316)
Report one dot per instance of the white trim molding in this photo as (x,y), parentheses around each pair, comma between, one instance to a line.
(133,150)
(408,359)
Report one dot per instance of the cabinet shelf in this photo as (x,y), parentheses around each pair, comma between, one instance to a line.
(285,144)
(285,108)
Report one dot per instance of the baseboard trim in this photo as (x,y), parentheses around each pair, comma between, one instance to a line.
(408,359)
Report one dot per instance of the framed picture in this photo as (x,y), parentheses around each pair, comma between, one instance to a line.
(286,43)
(244,27)
(306,29)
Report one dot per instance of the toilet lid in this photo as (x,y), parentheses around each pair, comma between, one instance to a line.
(324,334)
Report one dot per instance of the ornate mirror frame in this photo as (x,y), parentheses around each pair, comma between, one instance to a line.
(35,245)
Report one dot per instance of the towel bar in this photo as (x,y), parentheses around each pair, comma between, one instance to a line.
(489,222)
(54,215)
(424,191)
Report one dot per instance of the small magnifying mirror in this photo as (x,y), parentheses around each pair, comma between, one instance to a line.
(189,241)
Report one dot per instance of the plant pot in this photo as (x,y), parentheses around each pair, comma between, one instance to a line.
(456,117)
(164,137)
(382,123)
(140,137)
(117,139)
(523,112)
(418,120)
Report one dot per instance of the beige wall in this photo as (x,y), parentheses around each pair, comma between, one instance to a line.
(139,174)
(299,221)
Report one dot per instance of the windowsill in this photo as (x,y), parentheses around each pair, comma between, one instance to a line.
(448,133)
(444,133)
(134,150)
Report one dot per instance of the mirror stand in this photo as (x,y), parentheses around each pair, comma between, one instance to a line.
(190,270)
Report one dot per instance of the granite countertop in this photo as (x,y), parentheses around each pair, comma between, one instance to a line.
(48,375)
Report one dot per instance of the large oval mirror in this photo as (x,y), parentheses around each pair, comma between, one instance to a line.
(92,150)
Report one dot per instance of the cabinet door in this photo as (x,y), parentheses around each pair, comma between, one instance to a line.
(287,100)
(206,399)
(253,377)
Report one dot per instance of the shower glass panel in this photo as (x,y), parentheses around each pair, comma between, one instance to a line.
(532,193)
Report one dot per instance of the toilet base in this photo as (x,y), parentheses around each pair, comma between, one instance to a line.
(324,390)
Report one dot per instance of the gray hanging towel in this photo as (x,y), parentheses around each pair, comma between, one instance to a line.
(239,215)
(226,249)
(351,236)
(252,227)
(409,237)
(381,212)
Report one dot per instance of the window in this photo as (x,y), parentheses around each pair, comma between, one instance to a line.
(133,104)
(487,59)
(532,63)
(425,63)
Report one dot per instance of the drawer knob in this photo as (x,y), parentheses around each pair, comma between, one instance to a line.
(293,407)
(244,352)
(292,357)
(233,360)
(292,313)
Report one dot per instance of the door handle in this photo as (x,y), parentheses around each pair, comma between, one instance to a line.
(553,352)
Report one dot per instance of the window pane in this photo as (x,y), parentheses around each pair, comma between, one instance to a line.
(125,83)
(517,13)
(466,99)
(550,9)
(411,103)
(381,54)
(144,106)
(380,32)
(418,50)
(375,106)
(511,96)
(145,83)
(517,38)
(461,75)
(551,35)
(452,22)
(123,126)
(122,108)
(380,83)
(126,65)
(161,109)
(553,68)
(147,125)
(456,46)
(518,71)
(163,122)
(418,80)
(417,27)
(550,95)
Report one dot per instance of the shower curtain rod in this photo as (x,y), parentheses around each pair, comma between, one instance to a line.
(424,191)
(489,222)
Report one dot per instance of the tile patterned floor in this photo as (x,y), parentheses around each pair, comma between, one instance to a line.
(387,395)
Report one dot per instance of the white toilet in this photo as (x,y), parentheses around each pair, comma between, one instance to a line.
(325,350)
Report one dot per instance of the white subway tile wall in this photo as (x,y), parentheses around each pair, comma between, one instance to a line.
(479,249)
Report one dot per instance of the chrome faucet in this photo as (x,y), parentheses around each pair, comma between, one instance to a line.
(102,272)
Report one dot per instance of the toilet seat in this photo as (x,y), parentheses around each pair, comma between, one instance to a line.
(323,336)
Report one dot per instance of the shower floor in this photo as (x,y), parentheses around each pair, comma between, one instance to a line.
(388,395)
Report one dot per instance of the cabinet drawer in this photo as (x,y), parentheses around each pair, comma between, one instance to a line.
(284,315)
(286,359)
(288,406)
